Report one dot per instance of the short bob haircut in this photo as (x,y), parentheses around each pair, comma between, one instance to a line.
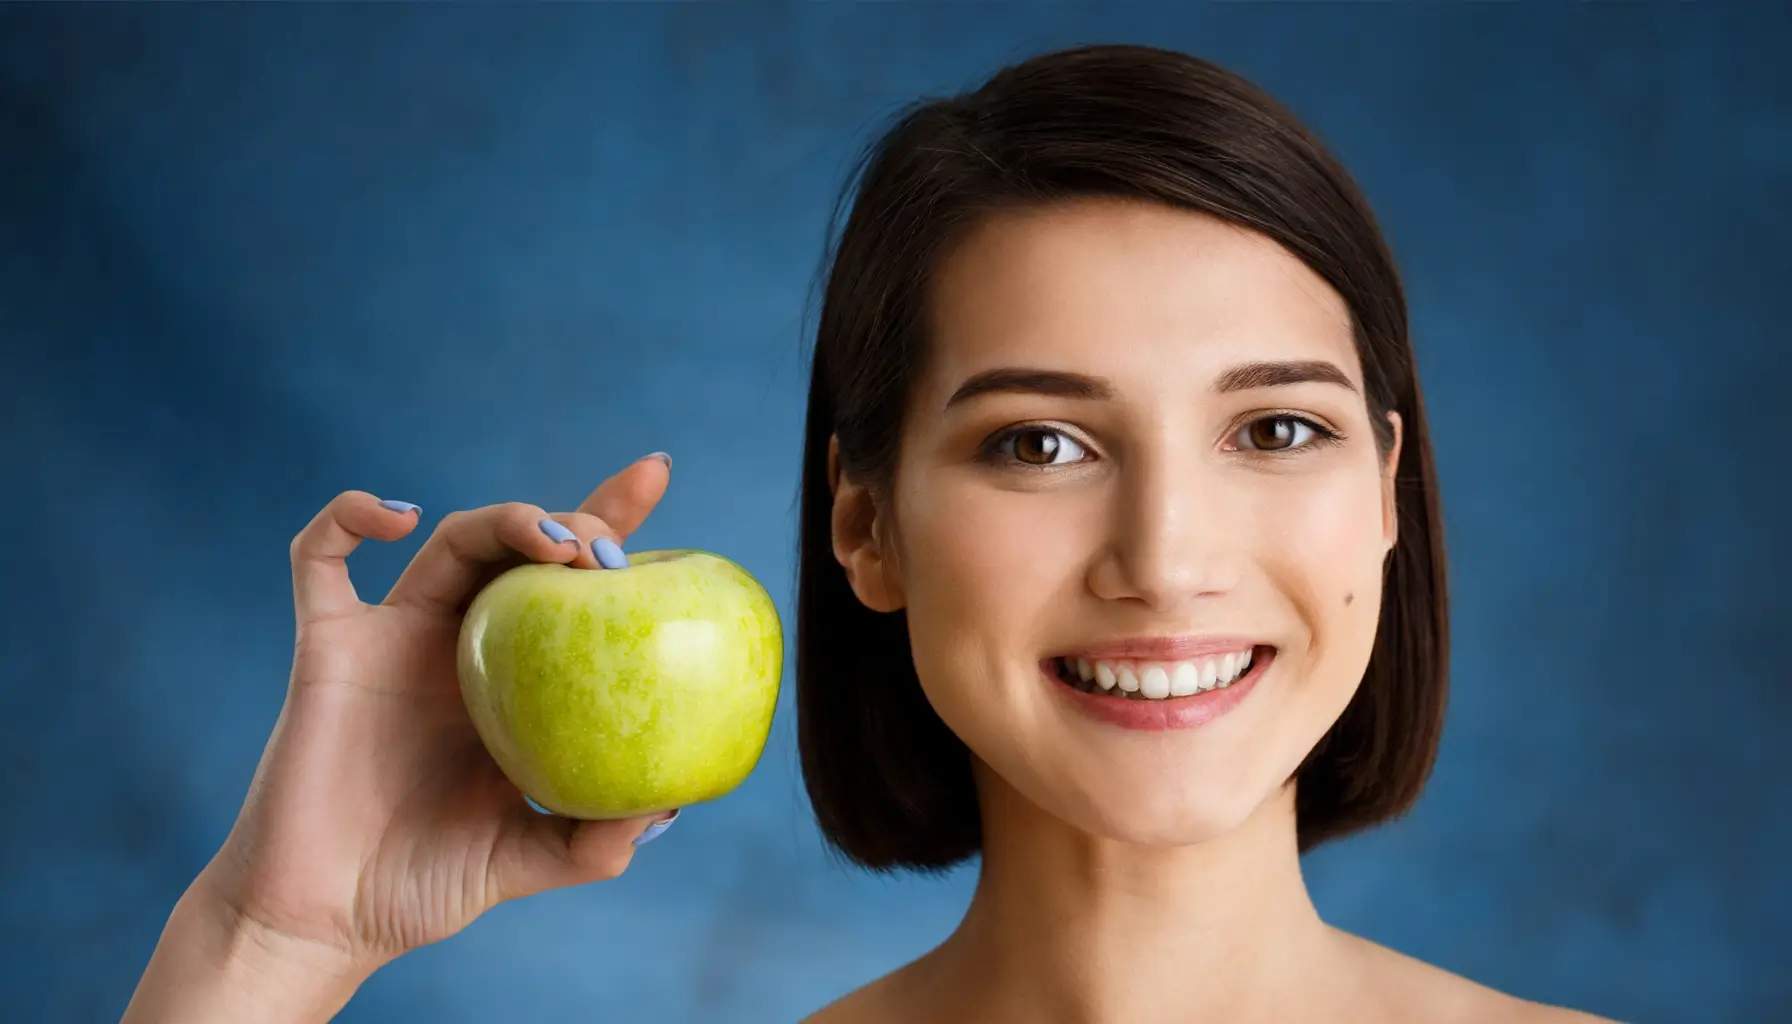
(891,785)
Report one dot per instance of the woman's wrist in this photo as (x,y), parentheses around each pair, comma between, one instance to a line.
(214,963)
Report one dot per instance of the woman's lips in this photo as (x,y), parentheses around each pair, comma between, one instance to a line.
(1143,709)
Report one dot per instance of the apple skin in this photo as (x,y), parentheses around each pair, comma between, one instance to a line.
(610,693)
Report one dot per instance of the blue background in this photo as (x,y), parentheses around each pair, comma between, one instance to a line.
(252,256)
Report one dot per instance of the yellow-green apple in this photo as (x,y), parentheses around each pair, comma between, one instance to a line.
(609,693)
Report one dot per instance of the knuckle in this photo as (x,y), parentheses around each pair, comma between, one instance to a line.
(307,535)
(512,518)
(588,525)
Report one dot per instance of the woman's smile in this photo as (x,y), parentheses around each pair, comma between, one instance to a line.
(1150,687)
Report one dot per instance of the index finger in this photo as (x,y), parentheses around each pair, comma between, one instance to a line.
(624,500)
(471,547)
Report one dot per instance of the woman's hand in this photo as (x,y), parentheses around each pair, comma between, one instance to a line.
(376,822)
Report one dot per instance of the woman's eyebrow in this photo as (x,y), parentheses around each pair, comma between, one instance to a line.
(1032,381)
(1248,376)
(1064,384)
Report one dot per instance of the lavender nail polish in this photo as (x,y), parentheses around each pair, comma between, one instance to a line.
(662,456)
(556,532)
(398,506)
(608,554)
(657,829)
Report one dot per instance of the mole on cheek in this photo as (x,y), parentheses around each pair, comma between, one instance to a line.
(1348,598)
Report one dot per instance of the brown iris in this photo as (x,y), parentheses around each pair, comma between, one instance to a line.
(1037,447)
(1272,433)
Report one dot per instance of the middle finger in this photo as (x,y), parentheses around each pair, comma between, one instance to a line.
(468,548)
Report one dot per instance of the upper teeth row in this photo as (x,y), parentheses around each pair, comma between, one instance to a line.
(1158,679)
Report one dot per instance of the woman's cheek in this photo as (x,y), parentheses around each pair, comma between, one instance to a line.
(991,548)
(1322,537)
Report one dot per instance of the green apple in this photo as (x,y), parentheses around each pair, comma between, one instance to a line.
(608,693)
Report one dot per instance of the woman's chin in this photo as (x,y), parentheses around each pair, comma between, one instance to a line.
(1126,800)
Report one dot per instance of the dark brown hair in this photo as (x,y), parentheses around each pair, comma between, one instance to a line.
(891,784)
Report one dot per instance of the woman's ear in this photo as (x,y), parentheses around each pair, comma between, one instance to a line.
(859,540)
(1390,509)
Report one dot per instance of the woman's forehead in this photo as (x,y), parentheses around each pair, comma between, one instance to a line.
(1128,291)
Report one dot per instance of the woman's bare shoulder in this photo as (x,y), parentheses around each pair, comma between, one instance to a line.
(1499,1008)
(1396,987)
(867,1005)
(1495,1007)
(1417,990)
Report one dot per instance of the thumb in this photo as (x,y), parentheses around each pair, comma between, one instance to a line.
(624,500)
(553,852)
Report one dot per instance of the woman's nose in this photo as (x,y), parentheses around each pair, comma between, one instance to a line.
(1171,536)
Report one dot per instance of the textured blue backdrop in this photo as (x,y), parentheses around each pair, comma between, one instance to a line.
(250,256)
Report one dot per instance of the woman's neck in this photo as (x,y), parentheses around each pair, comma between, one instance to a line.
(1064,927)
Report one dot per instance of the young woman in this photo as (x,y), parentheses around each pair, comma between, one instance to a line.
(1120,566)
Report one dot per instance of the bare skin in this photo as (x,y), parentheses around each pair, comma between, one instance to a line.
(1373,985)
(376,823)
(1133,876)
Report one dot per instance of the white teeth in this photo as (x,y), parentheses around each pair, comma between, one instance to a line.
(1104,675)
(1156,680)
(1186,681)
(1128,681)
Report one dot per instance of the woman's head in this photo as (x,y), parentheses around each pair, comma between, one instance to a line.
(1113,379)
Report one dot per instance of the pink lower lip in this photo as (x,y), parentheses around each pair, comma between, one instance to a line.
(1169,713)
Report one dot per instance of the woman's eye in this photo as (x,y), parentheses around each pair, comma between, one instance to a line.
(1041,446)
(1277,434)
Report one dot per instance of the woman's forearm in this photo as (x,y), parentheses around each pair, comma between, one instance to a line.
(213,965)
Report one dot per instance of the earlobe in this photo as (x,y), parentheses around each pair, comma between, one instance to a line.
(858,546)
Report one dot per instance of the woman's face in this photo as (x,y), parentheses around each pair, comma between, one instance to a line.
(1139,464)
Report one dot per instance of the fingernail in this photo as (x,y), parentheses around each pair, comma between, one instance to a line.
(538,807)
(608,554)
(662,456)
(655,830)
(557,532)
(398,506)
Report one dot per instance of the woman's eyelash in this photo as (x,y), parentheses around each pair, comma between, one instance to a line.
(1322,434)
